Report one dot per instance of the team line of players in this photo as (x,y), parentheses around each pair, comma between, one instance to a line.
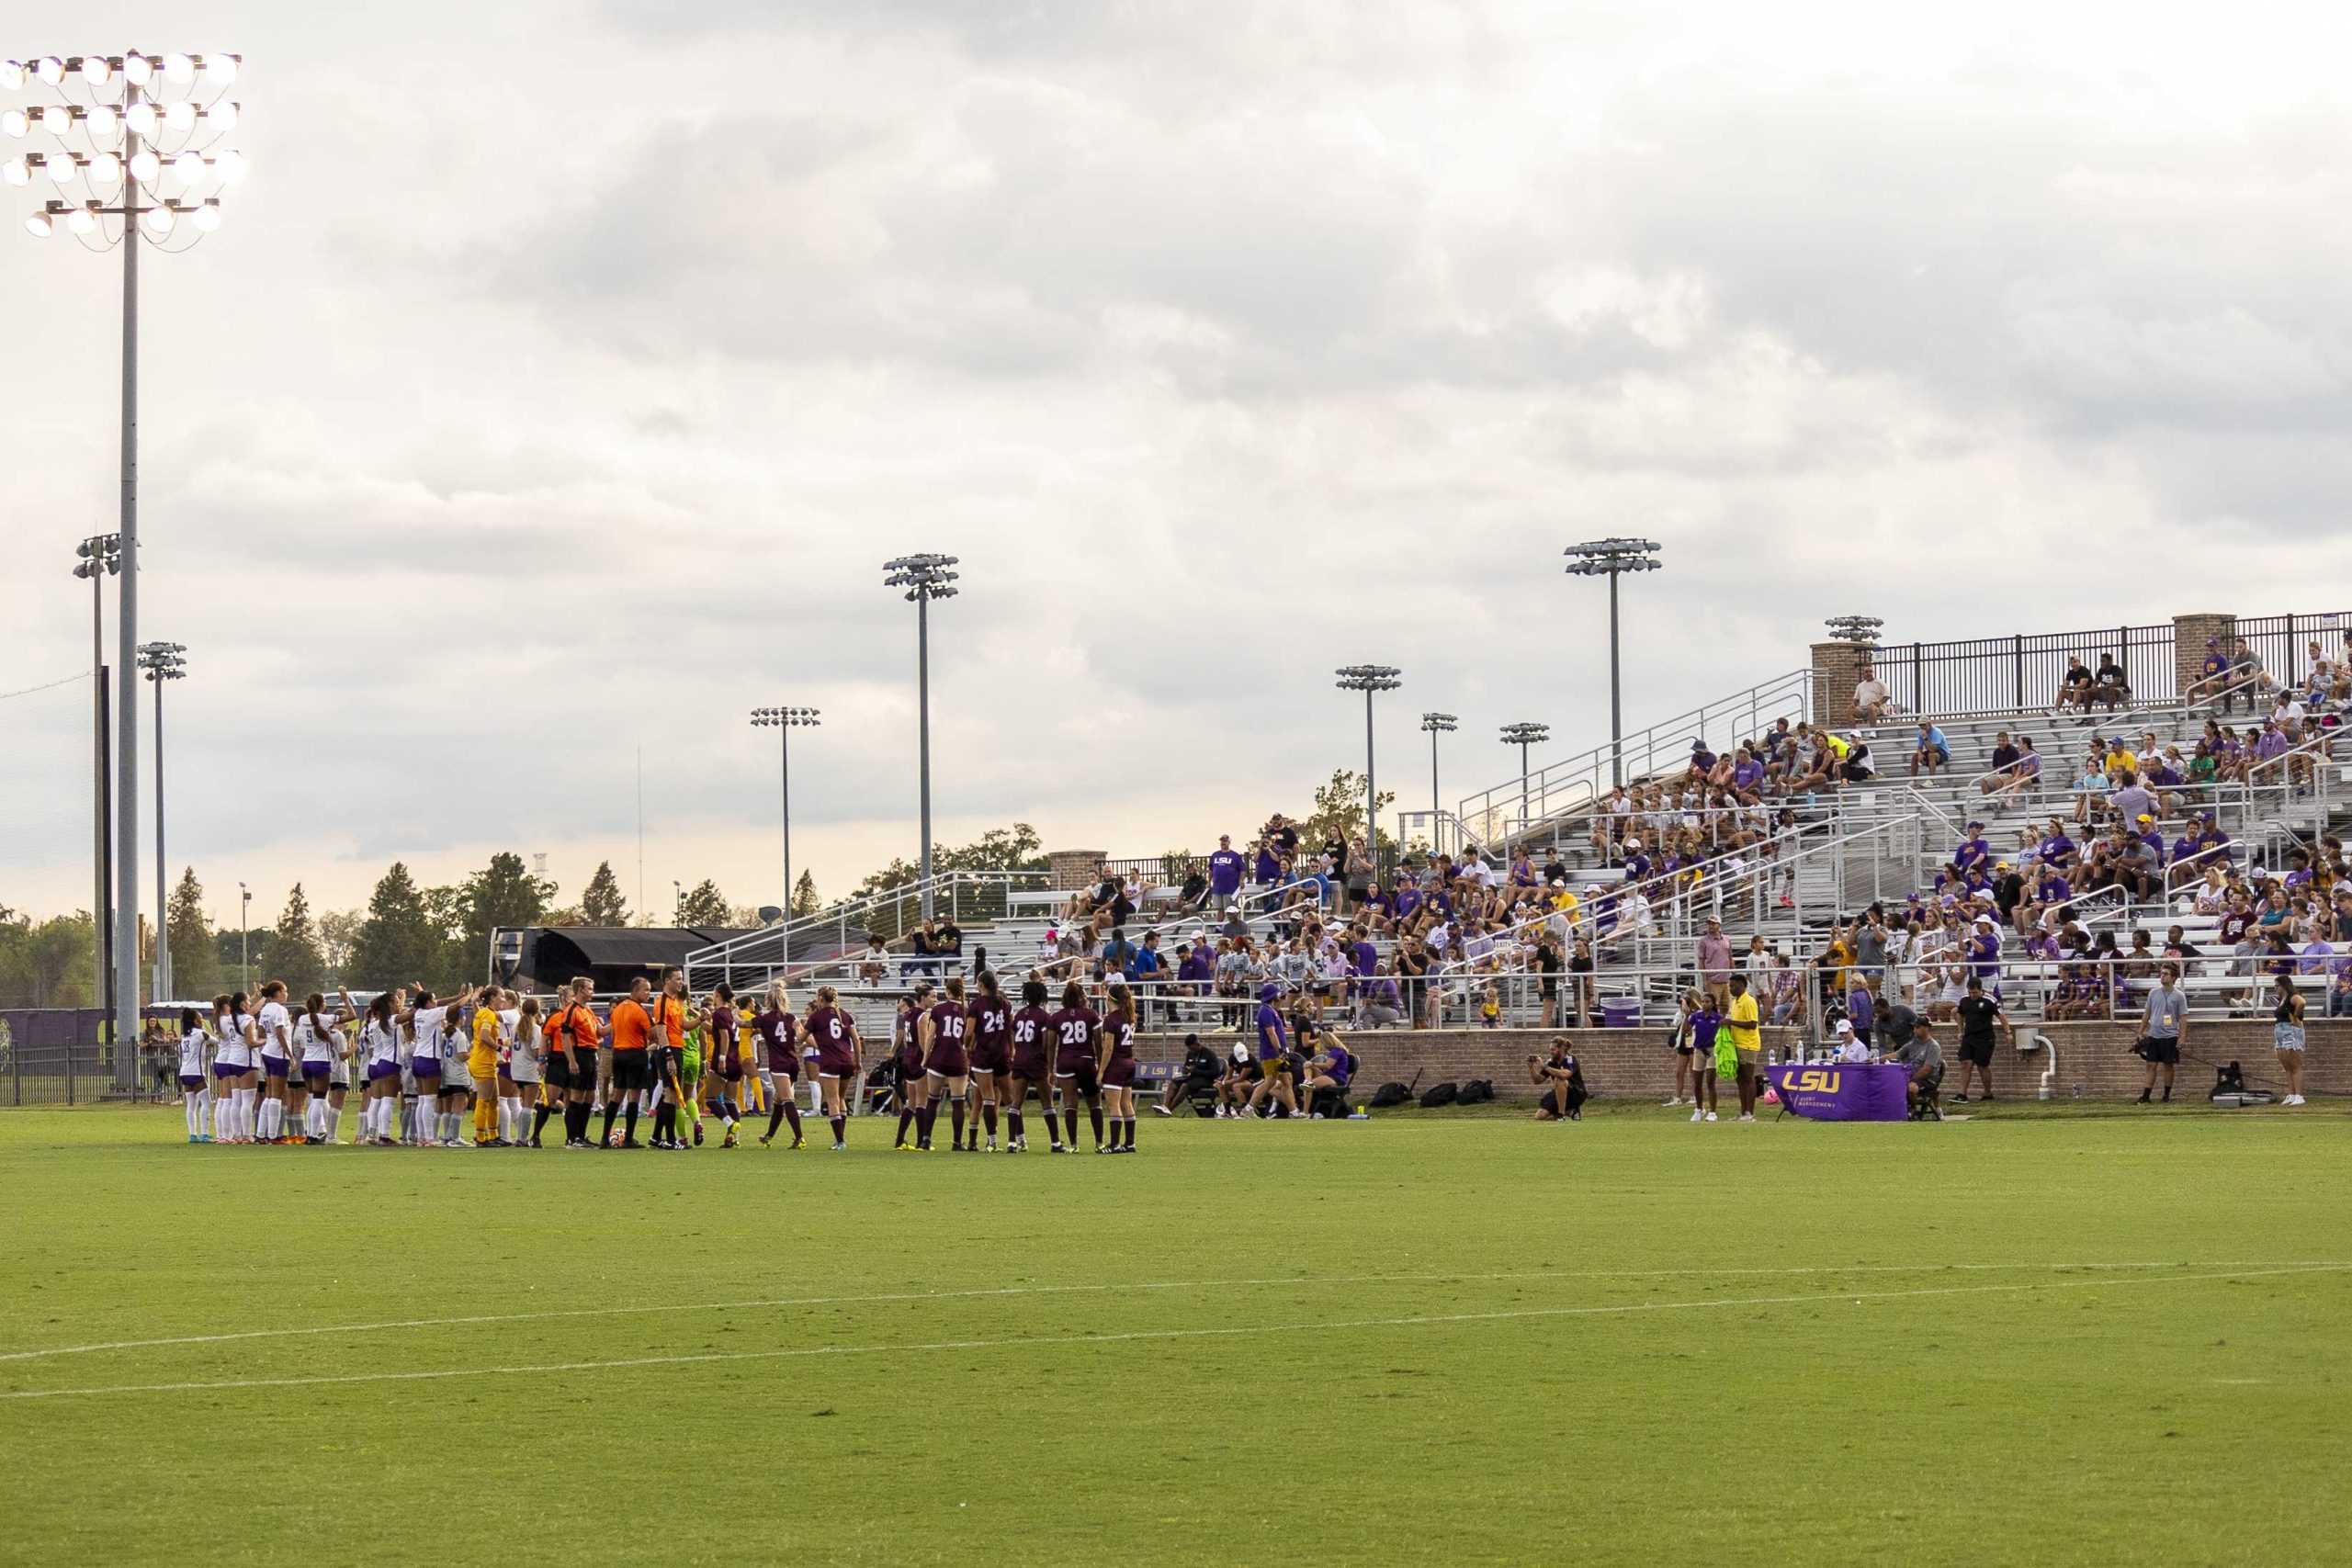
(424,1063)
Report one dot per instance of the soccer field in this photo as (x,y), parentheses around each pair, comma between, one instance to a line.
(2094,1336)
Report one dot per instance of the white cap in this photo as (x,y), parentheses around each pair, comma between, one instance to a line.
(1844,1027)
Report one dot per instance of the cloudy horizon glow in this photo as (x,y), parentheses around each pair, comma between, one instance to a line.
(556,388)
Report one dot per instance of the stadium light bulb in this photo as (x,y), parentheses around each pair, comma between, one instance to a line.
(229,166)
(187,168)
(82,220)
(137,69)
(207,217)
(178,68)
(158,220)
(180,116)
(39,225)
(140,118)
(95,70)
(221,118)
(13,122)
(51,69)
(221,68)
(16,171)
(57,119)
(12,75)
(105,169)
(59,166)
(102,122)
(145,166)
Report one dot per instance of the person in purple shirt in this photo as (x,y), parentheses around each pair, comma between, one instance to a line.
(1362,955)
(1407,900)
(1746,774)
(1268,868)
(1273,1051)
(1974,850)
(1224,869)
(2056,850)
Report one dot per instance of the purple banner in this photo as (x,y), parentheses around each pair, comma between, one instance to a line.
(1843,1092)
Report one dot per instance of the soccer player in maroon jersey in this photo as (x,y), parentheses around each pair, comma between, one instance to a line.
(1033,1030)
(837,1064)
(1076,1029)
(780,1048)
(906,1052)
(947,1064)
(992,1053)
(1118,1059)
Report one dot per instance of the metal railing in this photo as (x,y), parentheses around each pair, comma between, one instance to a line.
(783,950)
(2280,641)
(2022,672)
(1509,809)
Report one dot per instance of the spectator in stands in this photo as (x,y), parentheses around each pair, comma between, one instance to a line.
(1871,704)
(2090,791)
(2076,688)
(1715,964)
(2111,688)
(1378,1003)
(1145,967)
(1224,871)
(874,964)
(1192,894)
(1932,752)
(2001,769)
(2212,675)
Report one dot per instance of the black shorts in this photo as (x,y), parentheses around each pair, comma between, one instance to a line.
(559,1071)
(629,1071)
(1977,1053)
(1084,1078)
(2164,1050)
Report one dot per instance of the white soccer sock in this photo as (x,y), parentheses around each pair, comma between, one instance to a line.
(248,1115)
(510,1114)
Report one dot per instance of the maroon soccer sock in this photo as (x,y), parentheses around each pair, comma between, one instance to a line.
(1130,1142)
(775,1120)
(840,1125)
(906,1116)
(956,1113)
(988,1118)
(924,1119)
(1012,1125)
(792,1114)
(1069,1122)
(1094,1114)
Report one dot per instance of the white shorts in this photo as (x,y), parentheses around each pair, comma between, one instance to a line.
(524,1071)
(338,1074)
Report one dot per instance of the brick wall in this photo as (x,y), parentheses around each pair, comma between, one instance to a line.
(1634,1063)
(1067,869)
(2189,635)
(1837,668)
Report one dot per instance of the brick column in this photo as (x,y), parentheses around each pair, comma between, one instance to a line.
(2189,635)
(1836,667)
(1072,868)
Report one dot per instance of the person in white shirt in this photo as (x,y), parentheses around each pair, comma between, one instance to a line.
(276,1061)
(318,1046)
(1869,698)
(380,1044)
(196,1047)
(235,1082)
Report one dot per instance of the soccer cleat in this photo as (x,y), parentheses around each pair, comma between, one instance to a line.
(1711,1116)
(1672,1103)
(1060,1149)
(1747,1116)
(796,1143)
(697,1134)
(1700,1114)
(729,1142)
(840,1148)
(991,1145)
(764,1140)
(1158,1109)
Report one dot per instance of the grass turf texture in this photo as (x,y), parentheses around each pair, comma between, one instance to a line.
(1424,1340)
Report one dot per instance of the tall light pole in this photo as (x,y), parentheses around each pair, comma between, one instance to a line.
(100,556)
(1524,736)
(161,661)
(244,944)
(925,578)
(119,130)
(784,721)
(1612,559)
(1368,679)
(1436,723)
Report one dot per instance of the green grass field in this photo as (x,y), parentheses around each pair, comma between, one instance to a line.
(2099,1337)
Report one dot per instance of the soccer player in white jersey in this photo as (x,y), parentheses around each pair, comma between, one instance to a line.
(233,1078)
(195,1047)
(276,1042)
(316,1044)
(380,1044)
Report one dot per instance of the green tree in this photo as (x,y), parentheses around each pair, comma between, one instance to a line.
(397,943)
(502,894)
(999,849)
(196,960)
(294,953)
(804,896)
(601,903)
(243,956)
(338,931)
(703,905)
(1339,808)
(48,964)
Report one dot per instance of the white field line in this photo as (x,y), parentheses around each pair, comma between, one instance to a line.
(1421,1320)
(558,1314)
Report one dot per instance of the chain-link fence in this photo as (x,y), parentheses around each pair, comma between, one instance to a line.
(63,1056)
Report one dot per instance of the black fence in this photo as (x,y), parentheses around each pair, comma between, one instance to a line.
(61,1056)
(2283,643)
(2002,674)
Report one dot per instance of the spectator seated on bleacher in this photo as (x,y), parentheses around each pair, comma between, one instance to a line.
(1933,750)
(1870,701)
(875,965)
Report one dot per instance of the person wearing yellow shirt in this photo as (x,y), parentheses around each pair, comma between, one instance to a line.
(1740,1018)
(481,1062)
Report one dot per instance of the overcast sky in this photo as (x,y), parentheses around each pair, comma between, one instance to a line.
(564,373)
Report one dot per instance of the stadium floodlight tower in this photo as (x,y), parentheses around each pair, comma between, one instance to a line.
(1522,736)
(784,721)
(99,558)
(1859,630)
(1612,559)
(925,578)
(162,662)
(1368,679)
(131,149)
(1437,724)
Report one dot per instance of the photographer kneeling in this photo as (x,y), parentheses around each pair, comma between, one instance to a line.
(1563,1093)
